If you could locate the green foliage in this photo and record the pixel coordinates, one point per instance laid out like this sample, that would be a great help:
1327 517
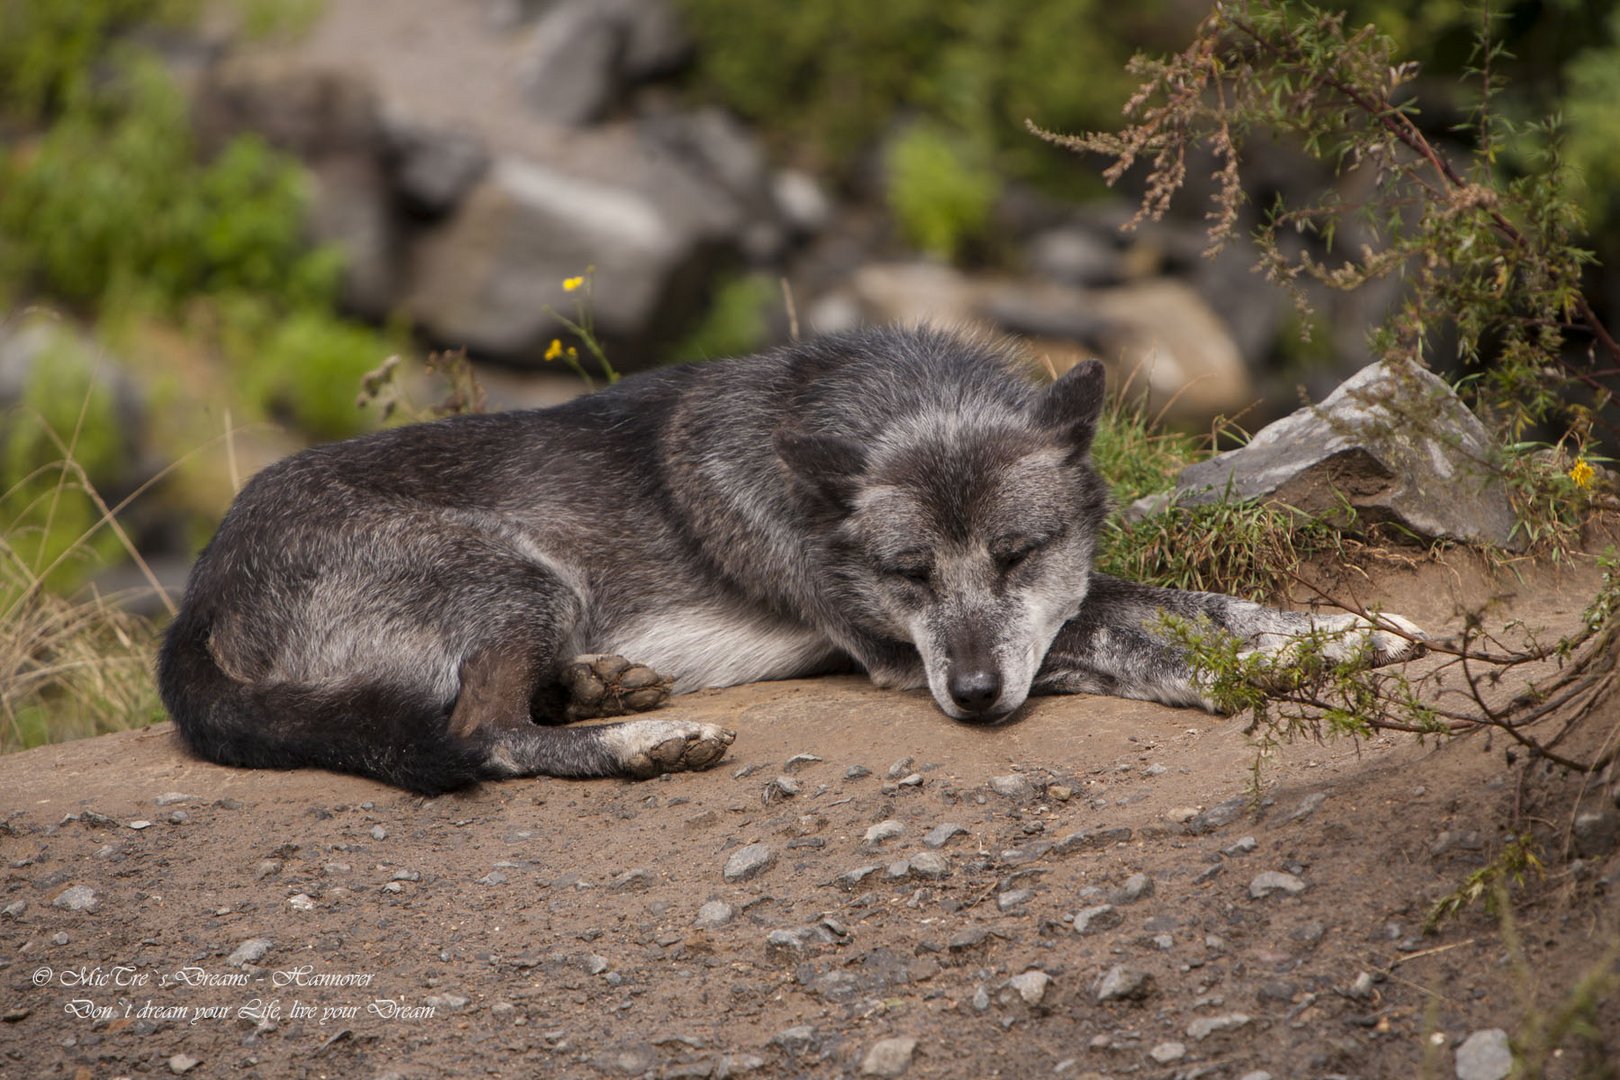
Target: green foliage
303 367
736 323
1136 459
112 207
66 410
49 48
1251 549
834 71
1593 122
1518 859
939 189
1487 261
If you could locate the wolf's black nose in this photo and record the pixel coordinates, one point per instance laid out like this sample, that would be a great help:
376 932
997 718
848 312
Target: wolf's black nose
975 690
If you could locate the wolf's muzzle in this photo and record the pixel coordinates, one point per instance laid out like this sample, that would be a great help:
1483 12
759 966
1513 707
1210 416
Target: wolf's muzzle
975 691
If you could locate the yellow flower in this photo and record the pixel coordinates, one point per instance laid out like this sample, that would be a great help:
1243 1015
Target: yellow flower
553 350
1582 474
573 353
570 284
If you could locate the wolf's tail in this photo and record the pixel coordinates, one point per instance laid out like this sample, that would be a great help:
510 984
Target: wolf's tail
388 734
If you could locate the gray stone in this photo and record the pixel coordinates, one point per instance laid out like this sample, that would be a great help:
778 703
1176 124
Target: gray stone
1270 881
1393 441
183 1063
632 880
433 168
889 1057
884 830
851 878
1031 986
14 910
1204 1027
941 834
931 865
1242 846
713 915
1093 919
379 833
1166 1052
795 1040
857 772
250 951
799 762
1308 806
1485 1055
1013 898
77 898
1597 832
749 862
1073 255
169 798
582 55
1012 785
1136 886
1218 816
782 787
1121 983
486 275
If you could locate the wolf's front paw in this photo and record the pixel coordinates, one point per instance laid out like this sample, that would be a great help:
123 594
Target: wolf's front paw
600 684
647 748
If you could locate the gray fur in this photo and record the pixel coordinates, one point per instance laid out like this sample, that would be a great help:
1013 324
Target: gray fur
902 502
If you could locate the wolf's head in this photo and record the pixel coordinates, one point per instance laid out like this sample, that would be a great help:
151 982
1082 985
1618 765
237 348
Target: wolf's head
967 528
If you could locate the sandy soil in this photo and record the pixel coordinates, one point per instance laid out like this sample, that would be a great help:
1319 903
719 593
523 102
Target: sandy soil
243 923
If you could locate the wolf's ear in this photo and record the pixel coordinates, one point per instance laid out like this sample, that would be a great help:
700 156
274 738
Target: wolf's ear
826 465
1073 404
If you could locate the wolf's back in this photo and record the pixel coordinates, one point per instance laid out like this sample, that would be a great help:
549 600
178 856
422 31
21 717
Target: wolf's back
385 733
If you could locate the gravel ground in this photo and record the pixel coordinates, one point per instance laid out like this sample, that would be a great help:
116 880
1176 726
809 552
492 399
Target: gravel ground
861 888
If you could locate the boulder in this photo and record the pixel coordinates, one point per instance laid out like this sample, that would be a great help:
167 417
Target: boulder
583 55
651 225
432 167
1394 442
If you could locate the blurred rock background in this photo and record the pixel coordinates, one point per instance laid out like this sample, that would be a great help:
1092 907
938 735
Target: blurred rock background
215 217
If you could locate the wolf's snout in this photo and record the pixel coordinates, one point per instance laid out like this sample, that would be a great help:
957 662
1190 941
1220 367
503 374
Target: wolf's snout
975 690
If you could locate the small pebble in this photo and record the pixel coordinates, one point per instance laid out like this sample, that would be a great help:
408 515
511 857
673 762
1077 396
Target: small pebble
379 833
1206 1026
1241 847
1031 986
1013 898
1011 785
250 951
1270 881
1485 1055
1166 1052
1124 984
931 865
140 824
1092 919
889 1057
899 768
1181 814
1136 886
884 830
183 1063
857 772
77 898
748 862
799 761
942 833
301 902
713 915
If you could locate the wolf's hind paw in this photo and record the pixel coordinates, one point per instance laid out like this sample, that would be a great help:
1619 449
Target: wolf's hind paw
600 684
647 748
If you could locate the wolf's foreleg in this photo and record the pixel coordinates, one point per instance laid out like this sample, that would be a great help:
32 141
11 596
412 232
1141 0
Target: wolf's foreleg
1112 646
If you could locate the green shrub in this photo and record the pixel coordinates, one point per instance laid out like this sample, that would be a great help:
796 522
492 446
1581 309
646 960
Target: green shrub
834 72
736 323
49 48
306 368
112 206
939 189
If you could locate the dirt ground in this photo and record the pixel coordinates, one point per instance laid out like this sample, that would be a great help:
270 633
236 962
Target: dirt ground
161 916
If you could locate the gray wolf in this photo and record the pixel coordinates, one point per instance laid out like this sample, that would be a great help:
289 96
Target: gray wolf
428 605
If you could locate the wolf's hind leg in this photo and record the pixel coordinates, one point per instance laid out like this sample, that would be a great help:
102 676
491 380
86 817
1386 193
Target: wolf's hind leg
497 687
600 684
636 748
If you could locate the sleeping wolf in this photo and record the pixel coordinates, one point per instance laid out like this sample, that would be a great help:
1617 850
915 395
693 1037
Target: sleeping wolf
426 605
